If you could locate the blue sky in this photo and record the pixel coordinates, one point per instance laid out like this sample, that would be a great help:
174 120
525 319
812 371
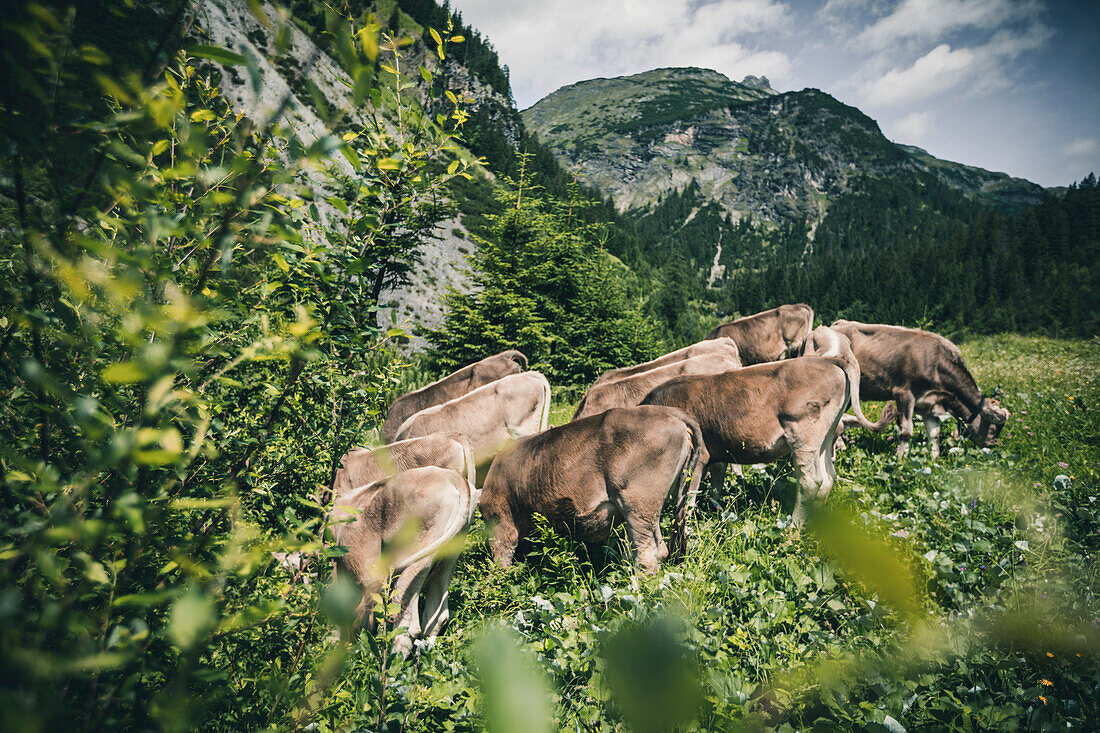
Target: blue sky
1008 85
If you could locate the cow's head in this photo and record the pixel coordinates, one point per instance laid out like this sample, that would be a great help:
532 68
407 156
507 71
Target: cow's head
987 422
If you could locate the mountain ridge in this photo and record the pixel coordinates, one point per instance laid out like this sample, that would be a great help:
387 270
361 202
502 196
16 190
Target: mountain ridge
641 137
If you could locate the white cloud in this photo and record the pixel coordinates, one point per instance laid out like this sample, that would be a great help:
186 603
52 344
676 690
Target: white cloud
931 20
940 69
1082 147
548 45
912 128
943 69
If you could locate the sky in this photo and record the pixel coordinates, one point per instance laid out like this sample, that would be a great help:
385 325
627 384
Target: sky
1007 85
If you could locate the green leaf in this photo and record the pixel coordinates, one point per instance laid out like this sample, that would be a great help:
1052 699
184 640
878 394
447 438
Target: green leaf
126 372
352 157
435 37
218 54
368 41
95 572
94 56
388 164
202 115
191 616
515 694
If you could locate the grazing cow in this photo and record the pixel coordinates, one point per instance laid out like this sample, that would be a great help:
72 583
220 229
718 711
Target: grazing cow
771 335
630 391
760 413
924 374
361 466
395 529
582 476
489 417
456 384
722 346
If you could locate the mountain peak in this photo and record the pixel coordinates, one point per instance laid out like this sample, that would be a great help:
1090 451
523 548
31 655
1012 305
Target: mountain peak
758 82
748 149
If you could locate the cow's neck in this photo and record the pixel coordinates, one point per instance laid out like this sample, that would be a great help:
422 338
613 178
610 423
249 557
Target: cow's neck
965 391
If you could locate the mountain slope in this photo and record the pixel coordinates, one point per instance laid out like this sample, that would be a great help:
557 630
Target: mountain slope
775 157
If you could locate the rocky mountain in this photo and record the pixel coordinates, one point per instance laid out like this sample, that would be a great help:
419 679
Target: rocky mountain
304 70
750 150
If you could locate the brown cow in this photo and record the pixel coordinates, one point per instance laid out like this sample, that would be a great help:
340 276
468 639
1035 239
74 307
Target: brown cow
924 374
616 466
361 466
760 413
396 529
722 346
456 384
630 391
489 417
771 335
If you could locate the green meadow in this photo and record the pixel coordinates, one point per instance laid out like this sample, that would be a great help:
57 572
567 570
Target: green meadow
950 595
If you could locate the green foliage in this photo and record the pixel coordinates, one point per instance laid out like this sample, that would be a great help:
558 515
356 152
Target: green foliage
183 363
545 289
976 268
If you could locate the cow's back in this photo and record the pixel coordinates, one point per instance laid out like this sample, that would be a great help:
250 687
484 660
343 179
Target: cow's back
716 345
630 391
489 415
362 466
460 382
747 407
895 357
553 471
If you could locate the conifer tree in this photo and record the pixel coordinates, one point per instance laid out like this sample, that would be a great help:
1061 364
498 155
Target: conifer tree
548 290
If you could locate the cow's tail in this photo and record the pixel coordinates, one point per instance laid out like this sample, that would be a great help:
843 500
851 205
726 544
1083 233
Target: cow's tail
804 332
889 414
851 369
544 419
684 495
468 455
458 520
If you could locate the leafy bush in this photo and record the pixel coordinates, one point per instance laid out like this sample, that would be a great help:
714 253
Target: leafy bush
185 358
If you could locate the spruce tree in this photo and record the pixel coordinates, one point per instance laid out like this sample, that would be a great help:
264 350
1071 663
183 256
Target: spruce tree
548 290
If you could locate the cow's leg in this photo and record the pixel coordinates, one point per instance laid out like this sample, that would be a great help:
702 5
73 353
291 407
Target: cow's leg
717 479
406 593
932 428
639 503
503 539
809 474
643 529
436 611
906 404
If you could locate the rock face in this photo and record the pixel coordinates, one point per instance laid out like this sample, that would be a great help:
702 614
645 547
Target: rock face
232 24
753 151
